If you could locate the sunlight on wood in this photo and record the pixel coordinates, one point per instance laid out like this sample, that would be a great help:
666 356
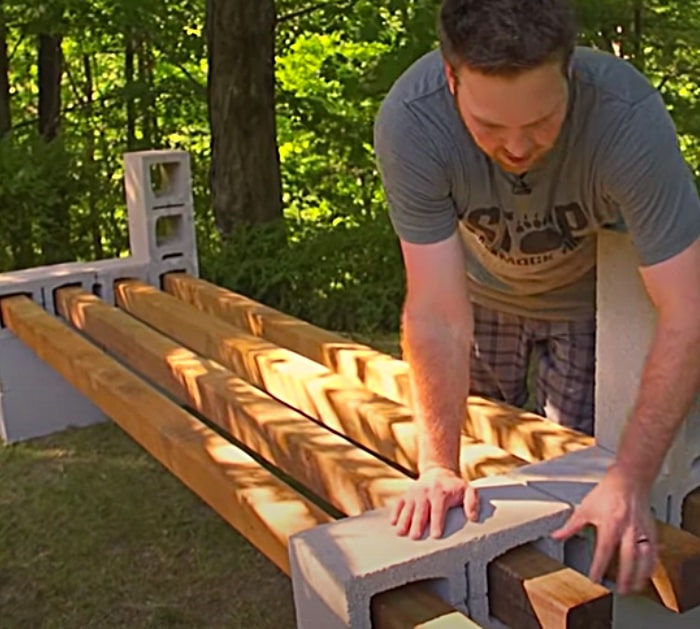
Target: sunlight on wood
205 462
523 435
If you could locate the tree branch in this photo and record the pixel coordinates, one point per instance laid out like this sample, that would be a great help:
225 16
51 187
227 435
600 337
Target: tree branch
300 12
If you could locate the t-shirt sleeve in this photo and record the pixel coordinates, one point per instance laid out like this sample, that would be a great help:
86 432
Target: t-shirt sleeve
415 180
647 178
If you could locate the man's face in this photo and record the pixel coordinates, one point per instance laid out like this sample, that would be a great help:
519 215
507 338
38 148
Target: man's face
514 120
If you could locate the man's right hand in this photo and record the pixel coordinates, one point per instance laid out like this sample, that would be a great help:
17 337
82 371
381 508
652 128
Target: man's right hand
427 501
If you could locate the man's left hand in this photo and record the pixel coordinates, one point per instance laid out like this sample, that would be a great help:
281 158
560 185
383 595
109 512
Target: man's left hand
620 510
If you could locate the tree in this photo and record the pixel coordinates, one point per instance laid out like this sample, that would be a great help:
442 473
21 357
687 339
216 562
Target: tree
245 164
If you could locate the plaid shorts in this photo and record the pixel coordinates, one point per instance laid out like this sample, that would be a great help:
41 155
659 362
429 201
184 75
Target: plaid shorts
544 366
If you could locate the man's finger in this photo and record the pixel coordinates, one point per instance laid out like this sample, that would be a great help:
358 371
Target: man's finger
646 563
573 525
607 540
421 514
628 562
396 511
471 504
437 514
404 521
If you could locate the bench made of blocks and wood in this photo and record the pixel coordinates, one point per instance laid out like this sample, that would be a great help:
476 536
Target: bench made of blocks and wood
300 439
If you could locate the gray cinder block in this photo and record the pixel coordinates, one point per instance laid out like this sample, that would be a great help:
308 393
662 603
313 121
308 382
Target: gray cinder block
35 400
626 321
338 568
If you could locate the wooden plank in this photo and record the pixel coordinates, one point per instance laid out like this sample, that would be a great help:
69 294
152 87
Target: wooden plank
248 497
691 512
675 583
199 382
407 606
545 600
347 477
251 499
344 404
524 435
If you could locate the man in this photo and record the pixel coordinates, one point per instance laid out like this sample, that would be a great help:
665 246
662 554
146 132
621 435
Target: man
502 154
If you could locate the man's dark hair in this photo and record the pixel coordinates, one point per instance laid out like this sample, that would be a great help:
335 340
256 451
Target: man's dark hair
506 37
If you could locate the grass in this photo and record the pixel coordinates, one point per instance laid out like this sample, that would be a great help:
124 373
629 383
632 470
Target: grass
95 533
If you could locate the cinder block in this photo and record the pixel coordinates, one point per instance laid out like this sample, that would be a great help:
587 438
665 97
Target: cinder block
107 272
172 264
36 401
626 325
338 568
144 204
158 179
40 283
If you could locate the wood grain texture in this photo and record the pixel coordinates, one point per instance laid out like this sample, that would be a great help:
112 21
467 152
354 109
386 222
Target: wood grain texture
341 403
549 596
336 470
250 498
347 477
524 435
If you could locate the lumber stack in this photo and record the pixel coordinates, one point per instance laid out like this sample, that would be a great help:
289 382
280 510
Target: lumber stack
281 426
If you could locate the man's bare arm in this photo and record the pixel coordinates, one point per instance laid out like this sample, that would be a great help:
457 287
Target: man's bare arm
671 376
437 335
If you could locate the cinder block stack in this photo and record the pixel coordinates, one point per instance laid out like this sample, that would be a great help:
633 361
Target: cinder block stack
34 400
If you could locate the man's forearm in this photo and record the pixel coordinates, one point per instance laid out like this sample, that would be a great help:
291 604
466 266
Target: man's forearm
669 384
437 349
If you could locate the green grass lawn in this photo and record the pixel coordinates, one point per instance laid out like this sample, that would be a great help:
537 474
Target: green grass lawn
95 533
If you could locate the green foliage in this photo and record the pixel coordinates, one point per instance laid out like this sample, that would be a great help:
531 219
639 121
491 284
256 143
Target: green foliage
336 275
335 260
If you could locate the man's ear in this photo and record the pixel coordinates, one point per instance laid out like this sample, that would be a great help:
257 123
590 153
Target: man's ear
451 77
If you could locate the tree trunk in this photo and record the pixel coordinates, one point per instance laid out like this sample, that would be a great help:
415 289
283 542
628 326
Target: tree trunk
130 97
50 73
245 168
5 112
93 209
54 219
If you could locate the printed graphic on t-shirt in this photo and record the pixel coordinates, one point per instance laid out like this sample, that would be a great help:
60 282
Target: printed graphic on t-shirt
531 238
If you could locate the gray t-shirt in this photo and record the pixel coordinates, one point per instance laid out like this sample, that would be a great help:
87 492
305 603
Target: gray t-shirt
530 247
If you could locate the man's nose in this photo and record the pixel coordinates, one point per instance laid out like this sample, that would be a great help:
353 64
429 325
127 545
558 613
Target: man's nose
519 145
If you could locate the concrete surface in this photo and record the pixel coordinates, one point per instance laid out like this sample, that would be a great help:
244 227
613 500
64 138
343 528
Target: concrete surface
35 400
337 568
626 321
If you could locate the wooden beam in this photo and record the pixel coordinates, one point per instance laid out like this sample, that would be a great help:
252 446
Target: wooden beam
349 478
343 404
340 473
408 606
544 599
691 512
248 497
675 583
524 435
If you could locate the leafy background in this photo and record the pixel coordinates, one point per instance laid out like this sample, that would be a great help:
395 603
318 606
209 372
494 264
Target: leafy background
135 75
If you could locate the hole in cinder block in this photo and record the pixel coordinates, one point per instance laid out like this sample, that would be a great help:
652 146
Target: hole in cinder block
163 176
439 587
3 325
578 553
168 229
55 290
97 289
